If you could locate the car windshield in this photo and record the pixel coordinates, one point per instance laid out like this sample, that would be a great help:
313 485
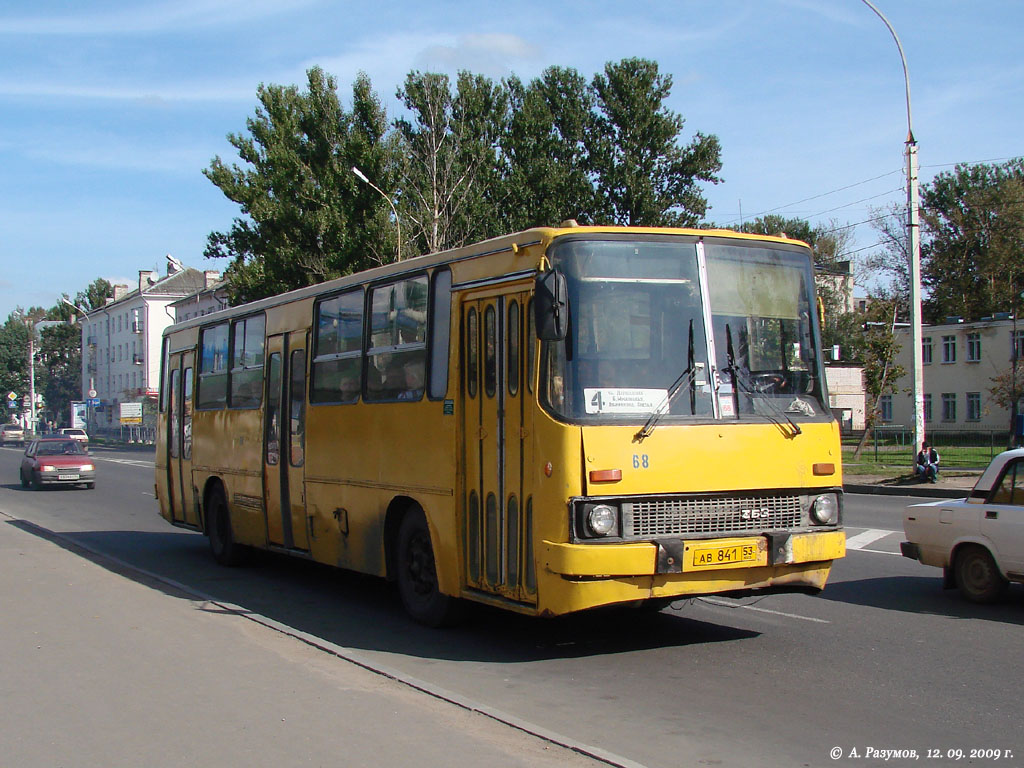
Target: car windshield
55 448
709 329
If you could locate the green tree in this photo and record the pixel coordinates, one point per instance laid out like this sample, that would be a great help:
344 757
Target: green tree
93 297
877 349
449 144
299 198
546 178
644 176
13 361
971 261
59 377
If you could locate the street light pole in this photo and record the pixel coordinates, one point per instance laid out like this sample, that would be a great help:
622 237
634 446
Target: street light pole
914 246
398 222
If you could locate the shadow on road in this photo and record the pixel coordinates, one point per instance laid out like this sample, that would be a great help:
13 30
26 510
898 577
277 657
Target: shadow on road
362 612
924 595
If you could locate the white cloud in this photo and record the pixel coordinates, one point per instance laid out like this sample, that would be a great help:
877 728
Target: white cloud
154 18
238 90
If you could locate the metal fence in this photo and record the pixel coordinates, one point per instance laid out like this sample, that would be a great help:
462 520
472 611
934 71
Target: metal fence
957 447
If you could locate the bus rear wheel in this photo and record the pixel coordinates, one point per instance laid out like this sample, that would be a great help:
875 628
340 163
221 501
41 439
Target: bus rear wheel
417 575
225 549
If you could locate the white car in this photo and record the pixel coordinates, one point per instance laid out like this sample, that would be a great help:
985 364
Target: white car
75 434
977 541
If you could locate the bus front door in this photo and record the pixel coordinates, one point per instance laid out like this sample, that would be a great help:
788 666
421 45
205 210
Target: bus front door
284 441
179 449
495 447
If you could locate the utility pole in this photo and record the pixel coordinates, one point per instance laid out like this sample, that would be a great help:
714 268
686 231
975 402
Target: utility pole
913 245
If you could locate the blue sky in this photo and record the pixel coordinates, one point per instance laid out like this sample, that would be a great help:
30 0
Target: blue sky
110 109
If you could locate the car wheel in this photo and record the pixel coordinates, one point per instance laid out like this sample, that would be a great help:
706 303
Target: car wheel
977 576
37 481
417 575
24 480
90 486
225 549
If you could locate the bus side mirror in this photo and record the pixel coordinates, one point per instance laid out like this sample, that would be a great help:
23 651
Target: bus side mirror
551 306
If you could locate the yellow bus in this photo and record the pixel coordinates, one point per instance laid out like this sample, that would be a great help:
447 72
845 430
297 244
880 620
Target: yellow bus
549 421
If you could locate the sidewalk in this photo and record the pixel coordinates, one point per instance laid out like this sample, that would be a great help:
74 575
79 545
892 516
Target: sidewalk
103 665
951 484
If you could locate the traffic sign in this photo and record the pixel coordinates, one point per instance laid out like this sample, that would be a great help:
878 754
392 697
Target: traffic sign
11 396
92 394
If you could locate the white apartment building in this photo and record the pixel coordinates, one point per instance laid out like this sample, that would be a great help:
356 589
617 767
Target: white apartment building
121 340
960 361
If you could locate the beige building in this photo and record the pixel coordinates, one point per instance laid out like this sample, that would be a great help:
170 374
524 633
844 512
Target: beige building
846 395
960 361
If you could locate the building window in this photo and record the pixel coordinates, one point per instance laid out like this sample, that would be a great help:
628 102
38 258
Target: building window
974 406
973 347
949 406
885 406
1016 345
949 349
927 407
926 350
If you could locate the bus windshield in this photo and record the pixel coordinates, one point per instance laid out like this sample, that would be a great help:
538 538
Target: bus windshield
690 330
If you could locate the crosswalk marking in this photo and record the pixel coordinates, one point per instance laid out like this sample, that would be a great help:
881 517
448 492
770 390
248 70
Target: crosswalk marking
865 538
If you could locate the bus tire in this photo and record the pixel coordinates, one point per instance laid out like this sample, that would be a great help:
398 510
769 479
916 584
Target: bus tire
977 576
223 546
417 575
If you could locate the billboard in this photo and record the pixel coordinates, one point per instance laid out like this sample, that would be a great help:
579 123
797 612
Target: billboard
78 414
131 413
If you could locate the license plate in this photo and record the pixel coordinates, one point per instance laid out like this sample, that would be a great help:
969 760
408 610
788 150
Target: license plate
726 556
67 477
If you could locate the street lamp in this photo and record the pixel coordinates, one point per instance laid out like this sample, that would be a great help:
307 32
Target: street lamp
398 222
914 245
74 307
31 422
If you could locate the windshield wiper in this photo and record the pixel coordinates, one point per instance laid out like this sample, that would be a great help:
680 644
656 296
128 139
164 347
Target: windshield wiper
741 381
687 378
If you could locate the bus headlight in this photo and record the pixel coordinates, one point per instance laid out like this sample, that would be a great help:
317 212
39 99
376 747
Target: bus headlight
825 509
602 520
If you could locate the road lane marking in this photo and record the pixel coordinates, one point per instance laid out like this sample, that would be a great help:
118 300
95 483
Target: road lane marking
724 604
863 539
880 552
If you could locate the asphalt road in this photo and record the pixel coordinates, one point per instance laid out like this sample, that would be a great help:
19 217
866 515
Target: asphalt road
883 659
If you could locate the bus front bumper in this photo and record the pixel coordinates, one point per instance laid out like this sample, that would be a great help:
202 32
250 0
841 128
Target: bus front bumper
603 574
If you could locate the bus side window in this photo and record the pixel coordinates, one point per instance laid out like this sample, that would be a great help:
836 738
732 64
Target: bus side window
472 352
440 323
531 346
213 367
297 407
513 348
490 351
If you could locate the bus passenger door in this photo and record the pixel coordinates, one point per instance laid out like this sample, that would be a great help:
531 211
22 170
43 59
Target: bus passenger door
284 441
493 393
179 450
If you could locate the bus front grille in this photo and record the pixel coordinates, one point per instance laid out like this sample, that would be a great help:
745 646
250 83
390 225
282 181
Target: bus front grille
710 516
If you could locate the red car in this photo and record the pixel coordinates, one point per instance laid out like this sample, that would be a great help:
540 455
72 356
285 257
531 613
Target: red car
57 461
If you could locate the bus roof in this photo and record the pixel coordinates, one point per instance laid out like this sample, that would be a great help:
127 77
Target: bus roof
529 238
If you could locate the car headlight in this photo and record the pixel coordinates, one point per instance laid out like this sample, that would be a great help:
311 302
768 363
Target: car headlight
602 520
825 509
47 468
87 468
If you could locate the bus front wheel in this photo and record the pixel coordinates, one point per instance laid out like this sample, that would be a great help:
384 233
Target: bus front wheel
417 575
225 549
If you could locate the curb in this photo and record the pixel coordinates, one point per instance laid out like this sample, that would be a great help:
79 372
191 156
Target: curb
896 490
